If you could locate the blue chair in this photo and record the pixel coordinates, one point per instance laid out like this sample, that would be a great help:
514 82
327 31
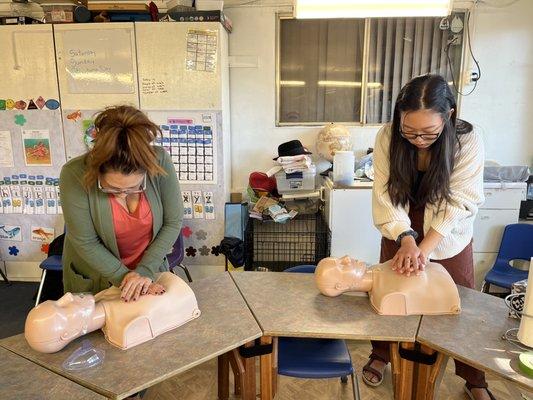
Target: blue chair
517 244
315 358
176 256
52 263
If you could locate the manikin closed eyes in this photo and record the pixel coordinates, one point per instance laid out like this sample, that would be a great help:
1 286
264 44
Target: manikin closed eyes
430 293
53 324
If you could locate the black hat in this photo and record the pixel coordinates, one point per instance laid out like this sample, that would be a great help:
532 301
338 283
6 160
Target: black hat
291 148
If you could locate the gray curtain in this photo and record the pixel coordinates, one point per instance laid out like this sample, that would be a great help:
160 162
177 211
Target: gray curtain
400 49
320 53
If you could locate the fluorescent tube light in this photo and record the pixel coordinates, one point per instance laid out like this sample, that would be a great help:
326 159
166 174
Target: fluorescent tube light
371 8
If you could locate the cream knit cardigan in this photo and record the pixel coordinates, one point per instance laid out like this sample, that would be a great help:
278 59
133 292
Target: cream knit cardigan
454 220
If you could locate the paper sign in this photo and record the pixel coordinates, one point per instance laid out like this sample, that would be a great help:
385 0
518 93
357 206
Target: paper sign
36 147
42 234
6 149
11 232
16 195
50 197
209 205
187 205
7 205
201 50
198 206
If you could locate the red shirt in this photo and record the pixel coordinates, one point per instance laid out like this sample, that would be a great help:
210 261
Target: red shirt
132 231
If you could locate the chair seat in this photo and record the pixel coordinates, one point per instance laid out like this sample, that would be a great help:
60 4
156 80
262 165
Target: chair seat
504 277
313 358
52 263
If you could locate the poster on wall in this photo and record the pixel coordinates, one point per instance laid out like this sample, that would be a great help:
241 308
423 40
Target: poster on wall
42 234
190 138
11 233
6 150
201 50
36 144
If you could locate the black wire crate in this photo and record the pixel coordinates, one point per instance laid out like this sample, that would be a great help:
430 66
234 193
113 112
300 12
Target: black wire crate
306 239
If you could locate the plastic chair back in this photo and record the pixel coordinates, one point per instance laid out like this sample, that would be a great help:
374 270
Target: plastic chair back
305 269
178 253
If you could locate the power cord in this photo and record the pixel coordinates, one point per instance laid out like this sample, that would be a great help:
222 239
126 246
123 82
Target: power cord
477 76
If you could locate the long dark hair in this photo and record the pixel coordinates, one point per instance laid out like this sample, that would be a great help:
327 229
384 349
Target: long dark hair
426 92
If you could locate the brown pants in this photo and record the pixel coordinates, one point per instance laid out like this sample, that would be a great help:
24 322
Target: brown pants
461 269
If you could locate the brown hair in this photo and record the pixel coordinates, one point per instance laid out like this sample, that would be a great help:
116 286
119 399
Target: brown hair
123 143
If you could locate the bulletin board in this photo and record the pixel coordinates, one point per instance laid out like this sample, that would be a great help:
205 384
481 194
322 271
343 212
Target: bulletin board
96 65
31 143
167 80
47 113
203 203
78 127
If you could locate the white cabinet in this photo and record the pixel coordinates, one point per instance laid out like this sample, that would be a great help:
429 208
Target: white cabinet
348 213
489 226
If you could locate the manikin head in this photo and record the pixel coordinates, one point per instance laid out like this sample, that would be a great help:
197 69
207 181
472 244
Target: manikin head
53 324
334 276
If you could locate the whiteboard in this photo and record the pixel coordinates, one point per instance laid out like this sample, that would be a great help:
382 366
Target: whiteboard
28 67
96 65
166 83
100 62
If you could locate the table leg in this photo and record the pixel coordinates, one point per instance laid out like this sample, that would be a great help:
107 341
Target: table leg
414 380
238 370
428 377
402 372
223 377
274 366
248 389
265 363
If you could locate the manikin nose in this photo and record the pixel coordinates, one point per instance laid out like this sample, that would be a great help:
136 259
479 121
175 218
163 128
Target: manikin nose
65 300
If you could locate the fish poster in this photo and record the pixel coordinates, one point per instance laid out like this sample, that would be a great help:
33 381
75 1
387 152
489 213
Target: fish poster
37 147
42 234
11 232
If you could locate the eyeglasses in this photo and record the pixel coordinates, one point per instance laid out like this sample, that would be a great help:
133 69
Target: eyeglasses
141 189
424 136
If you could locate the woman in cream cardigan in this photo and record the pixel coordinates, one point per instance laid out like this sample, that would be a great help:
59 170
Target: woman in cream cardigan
428 187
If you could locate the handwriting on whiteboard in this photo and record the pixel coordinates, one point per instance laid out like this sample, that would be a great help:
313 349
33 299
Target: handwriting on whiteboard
152 86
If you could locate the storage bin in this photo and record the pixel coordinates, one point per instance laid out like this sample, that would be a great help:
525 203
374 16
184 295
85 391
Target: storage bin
206 5
275 247
296 182
58 13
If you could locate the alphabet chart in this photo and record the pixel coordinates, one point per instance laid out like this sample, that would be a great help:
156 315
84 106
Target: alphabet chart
191 142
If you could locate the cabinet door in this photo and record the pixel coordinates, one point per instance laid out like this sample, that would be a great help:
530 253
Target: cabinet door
483 262
488 228
505 199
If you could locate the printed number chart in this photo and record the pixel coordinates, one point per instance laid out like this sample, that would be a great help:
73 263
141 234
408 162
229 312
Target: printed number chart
191 142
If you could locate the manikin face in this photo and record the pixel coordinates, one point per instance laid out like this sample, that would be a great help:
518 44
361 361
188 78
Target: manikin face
53 323
336 275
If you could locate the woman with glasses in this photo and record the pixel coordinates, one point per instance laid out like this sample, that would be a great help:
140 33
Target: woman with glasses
428 186
122 207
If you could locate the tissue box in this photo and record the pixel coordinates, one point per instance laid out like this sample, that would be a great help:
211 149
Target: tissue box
518 303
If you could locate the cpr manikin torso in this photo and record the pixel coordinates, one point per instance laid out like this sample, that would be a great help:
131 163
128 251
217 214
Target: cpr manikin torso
432 292
53 324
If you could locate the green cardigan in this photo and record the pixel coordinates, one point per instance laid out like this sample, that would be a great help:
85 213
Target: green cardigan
91 260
